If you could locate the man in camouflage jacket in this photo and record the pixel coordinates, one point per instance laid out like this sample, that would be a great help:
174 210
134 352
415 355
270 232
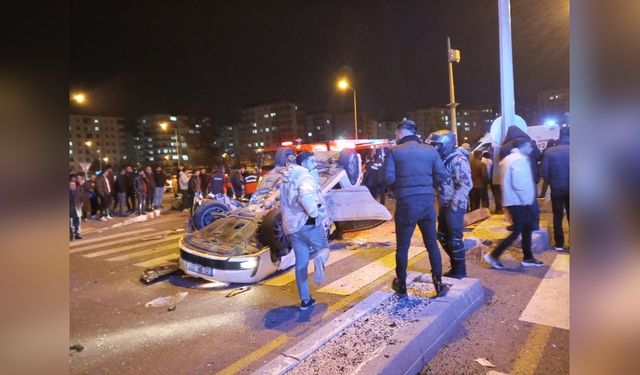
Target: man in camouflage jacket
453 197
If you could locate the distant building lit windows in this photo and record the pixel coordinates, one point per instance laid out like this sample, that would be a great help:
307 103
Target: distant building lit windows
309 134
173 118
266 115
95 121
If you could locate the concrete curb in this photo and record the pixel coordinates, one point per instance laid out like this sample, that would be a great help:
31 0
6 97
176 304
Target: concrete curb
426 336
419 342
131 220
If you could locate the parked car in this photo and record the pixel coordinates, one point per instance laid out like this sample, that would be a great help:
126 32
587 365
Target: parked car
248 244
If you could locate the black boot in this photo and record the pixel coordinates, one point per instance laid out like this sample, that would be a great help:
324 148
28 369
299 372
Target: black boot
400 287
441 289
458 263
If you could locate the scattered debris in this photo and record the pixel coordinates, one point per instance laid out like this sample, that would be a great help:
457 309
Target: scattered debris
238 291
168 300
152 274
484 362
171 308
76 348
487 242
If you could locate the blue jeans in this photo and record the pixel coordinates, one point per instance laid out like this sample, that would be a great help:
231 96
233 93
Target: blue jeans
157 198
411 211
122 203
310 237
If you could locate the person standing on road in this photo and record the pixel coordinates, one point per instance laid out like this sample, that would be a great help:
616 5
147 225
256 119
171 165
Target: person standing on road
216 181
518 194
488 163
555 171
373 176
545 184
453 197
103 187
121 188
151 188
193 190
183 185
140 185
160 180
131 190
75 210
303 213
237 180
412 169
480 178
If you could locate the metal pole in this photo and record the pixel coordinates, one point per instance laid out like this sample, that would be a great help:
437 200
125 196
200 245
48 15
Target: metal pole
355 113
452 95
178 147
99 160
507 99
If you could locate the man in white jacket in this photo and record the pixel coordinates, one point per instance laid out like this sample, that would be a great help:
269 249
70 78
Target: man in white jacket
518 196
303 212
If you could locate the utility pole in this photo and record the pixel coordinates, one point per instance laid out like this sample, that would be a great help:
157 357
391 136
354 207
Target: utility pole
453 55
355 112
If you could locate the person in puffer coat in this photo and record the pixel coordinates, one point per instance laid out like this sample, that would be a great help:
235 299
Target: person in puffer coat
303 212
453 197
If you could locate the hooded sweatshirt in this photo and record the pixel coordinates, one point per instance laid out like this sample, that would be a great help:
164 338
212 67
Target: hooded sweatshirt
300 199
517 185
454 191
511 141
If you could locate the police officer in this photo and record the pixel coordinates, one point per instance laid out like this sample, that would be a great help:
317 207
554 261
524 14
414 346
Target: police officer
453 196
410 169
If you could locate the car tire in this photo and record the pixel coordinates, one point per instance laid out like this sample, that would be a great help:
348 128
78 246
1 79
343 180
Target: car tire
208 212
271 234
348 160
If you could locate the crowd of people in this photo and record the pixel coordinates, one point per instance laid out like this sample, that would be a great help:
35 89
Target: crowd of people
129 192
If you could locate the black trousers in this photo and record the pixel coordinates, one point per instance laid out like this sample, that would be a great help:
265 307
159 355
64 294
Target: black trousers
411 211
497 196
559 202
523 220
476 195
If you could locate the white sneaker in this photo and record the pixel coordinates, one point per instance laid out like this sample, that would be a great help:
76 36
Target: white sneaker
559 249
103 219
109 217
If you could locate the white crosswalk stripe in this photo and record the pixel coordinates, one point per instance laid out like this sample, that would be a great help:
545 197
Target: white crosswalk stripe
359 278
136 245
78 243
158 261
137 254
120 241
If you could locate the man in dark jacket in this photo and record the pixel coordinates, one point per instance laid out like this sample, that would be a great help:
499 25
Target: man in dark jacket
131 191
217 181
194 188
140 186
514 137
480 179
410 169
121 189
75 208
237 180
104 189
160 180
555 171
373 177
151 188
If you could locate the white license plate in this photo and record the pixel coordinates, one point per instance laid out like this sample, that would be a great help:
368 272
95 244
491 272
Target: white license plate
208 271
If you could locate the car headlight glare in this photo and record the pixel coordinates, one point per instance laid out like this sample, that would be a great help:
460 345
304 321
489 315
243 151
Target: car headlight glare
248 263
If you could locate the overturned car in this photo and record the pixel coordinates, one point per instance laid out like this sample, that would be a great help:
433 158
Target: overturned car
248 244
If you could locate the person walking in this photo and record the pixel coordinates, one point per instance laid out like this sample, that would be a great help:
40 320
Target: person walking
411 170
160 180
104 189
480 178
151 188
518 194
303 212
75 210
555 171
453 197
121 188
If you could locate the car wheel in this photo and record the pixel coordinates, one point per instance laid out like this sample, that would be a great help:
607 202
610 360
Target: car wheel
272 234
207 213
348 160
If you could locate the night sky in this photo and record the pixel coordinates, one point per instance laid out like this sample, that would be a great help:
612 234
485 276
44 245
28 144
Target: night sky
211 58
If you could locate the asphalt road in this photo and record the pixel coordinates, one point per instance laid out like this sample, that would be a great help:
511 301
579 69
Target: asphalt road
211 333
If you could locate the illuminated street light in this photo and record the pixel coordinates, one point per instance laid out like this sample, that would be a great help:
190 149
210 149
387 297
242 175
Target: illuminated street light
79 98
88 143
165 126
343 84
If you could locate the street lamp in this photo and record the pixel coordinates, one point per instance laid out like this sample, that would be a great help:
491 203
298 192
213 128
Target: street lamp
79 98
343 84
453 55
165 126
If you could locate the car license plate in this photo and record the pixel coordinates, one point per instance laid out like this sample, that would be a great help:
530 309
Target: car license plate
208 271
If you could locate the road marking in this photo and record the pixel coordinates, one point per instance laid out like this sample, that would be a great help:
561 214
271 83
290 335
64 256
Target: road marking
290 275
532 351
550 303
129 247
157 261
77 243
116 242
359 278
144 252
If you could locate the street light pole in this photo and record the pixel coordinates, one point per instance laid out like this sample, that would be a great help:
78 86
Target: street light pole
355 111
453 56
177 147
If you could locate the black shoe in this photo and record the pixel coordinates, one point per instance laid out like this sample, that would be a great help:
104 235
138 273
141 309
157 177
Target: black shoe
533 262
77 236
458 269
440 288
400 287
306 304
